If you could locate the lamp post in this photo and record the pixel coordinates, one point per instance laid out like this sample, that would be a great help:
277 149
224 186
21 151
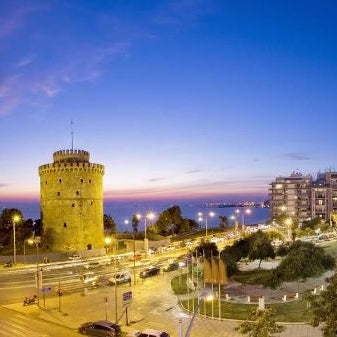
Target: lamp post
243 213
204 296
149 216
126 222
200 218
107 241
288 222
15 219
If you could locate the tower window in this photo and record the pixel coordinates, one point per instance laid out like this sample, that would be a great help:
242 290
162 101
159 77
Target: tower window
77 192
65 225
72 205
60 180
81 180
58 193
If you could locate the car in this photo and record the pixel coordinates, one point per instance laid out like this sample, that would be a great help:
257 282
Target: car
123 276
149 333
89 279
171 266
74 256
100 328
148 272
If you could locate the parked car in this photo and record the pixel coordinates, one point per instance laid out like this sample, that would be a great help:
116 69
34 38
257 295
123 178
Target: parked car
148 272
171 266
100 328
149 333
123 276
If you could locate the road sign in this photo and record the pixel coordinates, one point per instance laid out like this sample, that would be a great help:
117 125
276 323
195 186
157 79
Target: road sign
127 297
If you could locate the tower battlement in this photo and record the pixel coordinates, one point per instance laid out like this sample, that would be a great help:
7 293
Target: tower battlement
71 156
58 167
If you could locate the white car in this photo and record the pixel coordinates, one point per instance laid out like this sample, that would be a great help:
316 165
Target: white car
149 333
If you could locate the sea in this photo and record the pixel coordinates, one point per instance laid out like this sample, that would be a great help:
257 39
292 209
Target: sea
122 211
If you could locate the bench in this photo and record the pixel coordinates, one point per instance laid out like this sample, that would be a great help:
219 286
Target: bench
253 298
289 296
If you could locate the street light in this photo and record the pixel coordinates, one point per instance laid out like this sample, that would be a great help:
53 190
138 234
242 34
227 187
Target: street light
288 222
245 212
107 241
15 219
126 222
205 295
149 216
200 217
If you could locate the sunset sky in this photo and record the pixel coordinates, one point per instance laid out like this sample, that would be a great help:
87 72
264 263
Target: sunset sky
185 98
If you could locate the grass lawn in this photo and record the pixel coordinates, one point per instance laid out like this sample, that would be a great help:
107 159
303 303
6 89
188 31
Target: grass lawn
330 247
256 276
285 312
294 311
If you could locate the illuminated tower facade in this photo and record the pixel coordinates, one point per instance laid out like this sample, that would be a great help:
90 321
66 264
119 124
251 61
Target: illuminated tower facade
71 193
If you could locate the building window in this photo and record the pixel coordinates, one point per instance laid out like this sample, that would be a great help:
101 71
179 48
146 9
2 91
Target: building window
46 182
92 203
65 225
77 192
81 180
90 181
58 193
60 180
72 205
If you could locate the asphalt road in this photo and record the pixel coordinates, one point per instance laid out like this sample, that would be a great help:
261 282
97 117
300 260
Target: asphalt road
15 324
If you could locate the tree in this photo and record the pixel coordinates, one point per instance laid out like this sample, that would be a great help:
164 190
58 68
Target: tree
223 224
109 224
207 249
304 260
260 247
324 308
170 221
260 323
233 254
135 223
6 226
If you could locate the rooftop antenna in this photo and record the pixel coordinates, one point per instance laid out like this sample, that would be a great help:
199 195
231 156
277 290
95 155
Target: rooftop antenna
72 136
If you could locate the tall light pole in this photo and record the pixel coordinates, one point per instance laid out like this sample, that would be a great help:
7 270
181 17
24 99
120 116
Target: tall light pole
288 222
15 219
126 222
107 241
204 296
243 213
149 216
200 218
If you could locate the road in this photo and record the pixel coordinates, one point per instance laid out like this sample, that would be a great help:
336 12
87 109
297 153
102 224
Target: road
20 325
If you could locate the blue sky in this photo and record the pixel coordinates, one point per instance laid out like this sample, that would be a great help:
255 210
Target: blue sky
176 98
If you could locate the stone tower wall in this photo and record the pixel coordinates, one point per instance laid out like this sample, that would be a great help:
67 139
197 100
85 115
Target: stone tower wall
72 201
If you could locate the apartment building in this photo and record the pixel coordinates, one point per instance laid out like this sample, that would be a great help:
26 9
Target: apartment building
292 195
303 198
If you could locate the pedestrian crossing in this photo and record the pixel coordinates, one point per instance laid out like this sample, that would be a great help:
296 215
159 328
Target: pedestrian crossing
19 326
